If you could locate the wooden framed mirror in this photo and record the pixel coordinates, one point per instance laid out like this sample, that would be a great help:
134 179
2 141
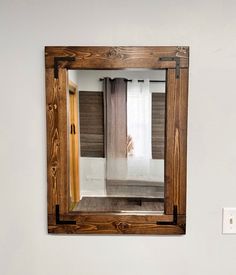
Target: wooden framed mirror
117 139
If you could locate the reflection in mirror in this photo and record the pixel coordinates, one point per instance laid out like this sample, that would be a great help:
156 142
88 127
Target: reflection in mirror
116 129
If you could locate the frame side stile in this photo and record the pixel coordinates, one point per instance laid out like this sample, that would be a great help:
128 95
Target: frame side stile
63 184
52 140
169 169
177 142
183 113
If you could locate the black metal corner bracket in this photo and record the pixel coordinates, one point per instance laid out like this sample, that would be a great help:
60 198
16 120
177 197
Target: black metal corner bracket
58 221
177 62
175 218
58 59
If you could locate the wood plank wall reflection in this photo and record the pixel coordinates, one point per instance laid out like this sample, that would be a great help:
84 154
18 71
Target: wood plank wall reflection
158 125
91 113
91 119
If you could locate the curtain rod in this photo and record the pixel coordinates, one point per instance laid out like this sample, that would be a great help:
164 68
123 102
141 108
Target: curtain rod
141 80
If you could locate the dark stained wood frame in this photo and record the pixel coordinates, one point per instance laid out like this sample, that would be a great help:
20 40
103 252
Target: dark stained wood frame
176 62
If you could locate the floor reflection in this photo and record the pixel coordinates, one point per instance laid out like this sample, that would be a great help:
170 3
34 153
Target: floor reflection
116 204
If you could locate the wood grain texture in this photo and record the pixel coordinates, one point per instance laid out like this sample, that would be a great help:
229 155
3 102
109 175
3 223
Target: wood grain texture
52 102
57 168
57 139
119 224
63 183
182 164
176 141
117 57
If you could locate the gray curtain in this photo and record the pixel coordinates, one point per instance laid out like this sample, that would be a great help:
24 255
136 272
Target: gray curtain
115 128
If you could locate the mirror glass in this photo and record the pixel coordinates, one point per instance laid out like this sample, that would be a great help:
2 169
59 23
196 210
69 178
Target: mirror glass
116 133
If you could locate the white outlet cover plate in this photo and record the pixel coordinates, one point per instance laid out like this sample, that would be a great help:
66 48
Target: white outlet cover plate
229 220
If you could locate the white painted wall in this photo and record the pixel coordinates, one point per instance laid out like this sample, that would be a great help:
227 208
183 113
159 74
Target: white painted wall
92 177
208 27
88 80
73 76
93 173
